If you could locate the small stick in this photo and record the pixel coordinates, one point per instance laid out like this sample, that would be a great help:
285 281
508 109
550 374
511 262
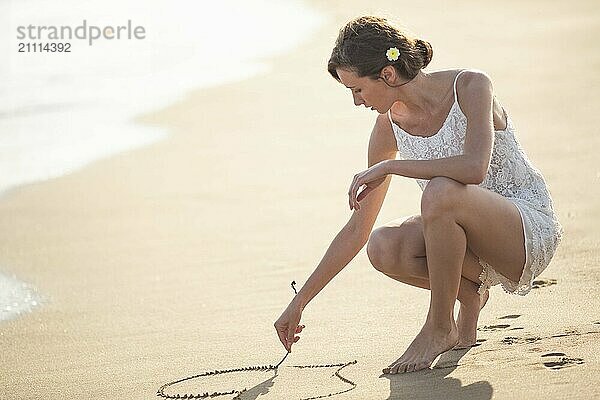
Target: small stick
286 354
282 360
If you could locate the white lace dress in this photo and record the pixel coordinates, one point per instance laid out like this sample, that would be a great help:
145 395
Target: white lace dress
511 175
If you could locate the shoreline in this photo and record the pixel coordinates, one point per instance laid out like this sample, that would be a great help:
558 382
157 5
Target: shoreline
122 133
176 258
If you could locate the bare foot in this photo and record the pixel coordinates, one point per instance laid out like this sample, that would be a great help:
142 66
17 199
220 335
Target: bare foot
424 349
467 321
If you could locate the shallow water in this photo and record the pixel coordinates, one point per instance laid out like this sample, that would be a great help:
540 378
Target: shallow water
16 297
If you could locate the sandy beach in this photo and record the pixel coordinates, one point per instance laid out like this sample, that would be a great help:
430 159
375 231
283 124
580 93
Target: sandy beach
175 259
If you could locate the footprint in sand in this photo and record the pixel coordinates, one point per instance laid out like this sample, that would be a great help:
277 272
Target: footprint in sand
567 333
488 328
557 360
540 283
516 340
510 340
533 339
511 316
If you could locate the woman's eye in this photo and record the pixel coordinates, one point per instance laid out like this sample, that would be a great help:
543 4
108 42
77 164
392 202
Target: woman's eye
357 91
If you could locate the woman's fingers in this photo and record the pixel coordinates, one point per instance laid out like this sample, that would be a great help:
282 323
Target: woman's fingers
291 342
282 338
368 189
287 326
350 192
293 339
357 187
364 193
282 334
353 191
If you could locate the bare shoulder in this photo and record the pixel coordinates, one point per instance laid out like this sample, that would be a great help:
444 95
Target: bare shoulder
473 89
476 94
467 79
466 74
474 80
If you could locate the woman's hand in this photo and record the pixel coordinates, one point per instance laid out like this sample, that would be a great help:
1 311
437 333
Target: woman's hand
372 177
287 325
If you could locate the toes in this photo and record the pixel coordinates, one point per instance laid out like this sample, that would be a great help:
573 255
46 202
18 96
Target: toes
404 368
422 365
398 368
393 367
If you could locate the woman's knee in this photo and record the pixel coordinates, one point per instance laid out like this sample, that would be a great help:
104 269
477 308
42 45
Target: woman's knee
440 196
388 251
378 248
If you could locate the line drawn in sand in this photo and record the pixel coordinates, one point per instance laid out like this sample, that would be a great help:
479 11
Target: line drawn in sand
238 393
161 391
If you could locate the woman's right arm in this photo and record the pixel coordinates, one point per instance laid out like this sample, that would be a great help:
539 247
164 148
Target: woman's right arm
349 241
355 234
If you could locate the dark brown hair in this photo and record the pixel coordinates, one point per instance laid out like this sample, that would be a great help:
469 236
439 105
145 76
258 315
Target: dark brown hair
362 44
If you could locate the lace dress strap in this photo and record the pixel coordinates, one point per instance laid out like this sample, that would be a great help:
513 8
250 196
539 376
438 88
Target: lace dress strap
455 98
454 87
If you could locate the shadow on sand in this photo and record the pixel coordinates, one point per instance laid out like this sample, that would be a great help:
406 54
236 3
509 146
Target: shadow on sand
433 383
426 384
258 390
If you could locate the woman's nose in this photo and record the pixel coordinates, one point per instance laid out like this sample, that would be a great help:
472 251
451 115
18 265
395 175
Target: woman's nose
358 100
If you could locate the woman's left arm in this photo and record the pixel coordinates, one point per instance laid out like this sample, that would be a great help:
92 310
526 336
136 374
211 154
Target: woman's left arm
476 101
471 167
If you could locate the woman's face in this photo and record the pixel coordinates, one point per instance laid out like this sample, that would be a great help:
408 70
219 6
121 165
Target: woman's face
366 91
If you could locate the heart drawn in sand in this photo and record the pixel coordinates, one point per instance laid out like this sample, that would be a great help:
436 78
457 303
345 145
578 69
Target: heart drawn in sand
161 390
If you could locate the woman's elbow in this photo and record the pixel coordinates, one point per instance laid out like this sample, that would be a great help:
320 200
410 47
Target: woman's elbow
477 174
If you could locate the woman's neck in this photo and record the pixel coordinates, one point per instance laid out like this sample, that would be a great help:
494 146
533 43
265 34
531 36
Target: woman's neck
421 96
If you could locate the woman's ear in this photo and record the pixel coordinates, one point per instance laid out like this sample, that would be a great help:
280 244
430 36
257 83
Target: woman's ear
388 74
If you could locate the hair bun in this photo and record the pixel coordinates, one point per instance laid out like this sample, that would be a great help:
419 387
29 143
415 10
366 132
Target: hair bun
426 50
362 47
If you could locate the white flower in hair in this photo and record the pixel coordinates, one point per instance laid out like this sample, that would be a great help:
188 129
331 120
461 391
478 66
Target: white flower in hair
392 53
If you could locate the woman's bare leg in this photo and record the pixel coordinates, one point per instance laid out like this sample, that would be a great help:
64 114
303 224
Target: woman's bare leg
471 303
454 213
397 249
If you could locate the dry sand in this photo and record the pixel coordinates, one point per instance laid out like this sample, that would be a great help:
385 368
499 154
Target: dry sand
176 259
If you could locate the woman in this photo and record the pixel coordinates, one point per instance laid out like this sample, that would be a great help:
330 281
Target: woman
486 217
